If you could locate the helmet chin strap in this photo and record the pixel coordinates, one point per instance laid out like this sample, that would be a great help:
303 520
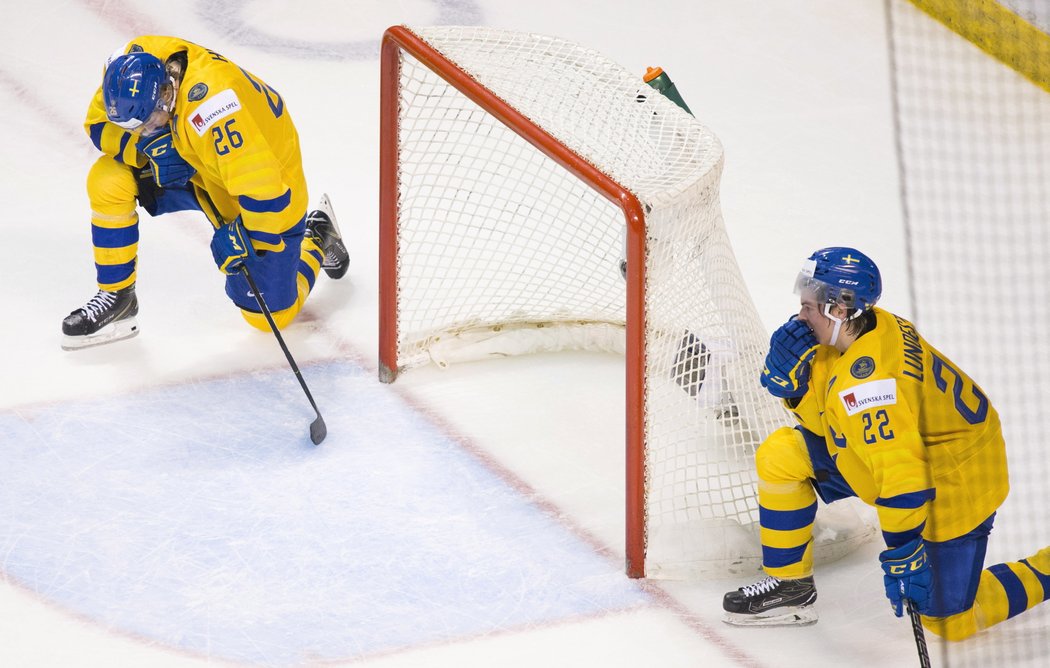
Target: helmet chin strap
838 321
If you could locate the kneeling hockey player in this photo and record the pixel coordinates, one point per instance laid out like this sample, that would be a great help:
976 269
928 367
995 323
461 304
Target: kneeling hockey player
183 128
886 417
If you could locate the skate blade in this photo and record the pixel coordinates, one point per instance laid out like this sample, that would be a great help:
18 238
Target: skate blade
333 272
115 331
796 616
326 205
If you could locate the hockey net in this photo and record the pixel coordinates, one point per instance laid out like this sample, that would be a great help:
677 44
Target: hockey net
520 174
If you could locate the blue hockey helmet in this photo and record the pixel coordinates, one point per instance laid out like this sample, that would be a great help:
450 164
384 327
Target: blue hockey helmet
840 275
131 88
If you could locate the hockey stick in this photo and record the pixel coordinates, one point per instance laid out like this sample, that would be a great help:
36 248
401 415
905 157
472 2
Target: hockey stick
920 636
318 429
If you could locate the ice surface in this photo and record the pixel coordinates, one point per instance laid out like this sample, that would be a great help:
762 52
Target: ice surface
160 503
200 516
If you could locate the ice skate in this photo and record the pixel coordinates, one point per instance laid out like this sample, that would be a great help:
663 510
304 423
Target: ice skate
321 224
107 317
772 602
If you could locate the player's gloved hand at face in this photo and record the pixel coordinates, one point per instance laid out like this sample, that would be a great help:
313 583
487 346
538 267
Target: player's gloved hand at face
231 247
907 576
791 348
169 169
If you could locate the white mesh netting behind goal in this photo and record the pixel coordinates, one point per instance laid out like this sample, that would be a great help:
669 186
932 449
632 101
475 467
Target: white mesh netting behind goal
503 235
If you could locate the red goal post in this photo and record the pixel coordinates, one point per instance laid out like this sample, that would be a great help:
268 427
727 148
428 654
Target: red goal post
399 39
517 171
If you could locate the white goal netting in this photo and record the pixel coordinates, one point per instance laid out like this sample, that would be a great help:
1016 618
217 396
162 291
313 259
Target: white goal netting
502 250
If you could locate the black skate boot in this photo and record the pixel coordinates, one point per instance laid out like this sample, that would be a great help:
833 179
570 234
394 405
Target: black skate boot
772 602
321 225
107 317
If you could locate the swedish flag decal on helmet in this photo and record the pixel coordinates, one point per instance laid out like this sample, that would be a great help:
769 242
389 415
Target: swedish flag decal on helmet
841 275
131 88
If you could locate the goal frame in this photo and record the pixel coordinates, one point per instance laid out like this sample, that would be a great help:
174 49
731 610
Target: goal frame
398 39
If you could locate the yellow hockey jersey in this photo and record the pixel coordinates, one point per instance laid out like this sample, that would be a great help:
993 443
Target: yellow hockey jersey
234 129
912 434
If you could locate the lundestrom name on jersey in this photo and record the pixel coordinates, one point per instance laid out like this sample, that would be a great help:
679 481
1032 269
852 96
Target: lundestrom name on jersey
867 395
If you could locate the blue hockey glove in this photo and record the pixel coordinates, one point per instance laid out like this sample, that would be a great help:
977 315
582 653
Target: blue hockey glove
169 169
231 247
908 576
786 372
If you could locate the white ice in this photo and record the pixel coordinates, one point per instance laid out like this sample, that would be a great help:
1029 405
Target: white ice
159 502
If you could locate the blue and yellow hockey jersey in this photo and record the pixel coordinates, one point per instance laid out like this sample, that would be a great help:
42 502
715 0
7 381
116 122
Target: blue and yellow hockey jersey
912 434
234 130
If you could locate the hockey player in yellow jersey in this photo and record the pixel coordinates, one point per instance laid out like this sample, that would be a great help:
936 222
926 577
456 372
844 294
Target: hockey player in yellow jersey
183 128
886 417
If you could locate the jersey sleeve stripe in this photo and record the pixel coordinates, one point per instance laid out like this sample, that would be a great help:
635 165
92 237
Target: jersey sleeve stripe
123 145
266 241
95 132
910 500
274 205
898 538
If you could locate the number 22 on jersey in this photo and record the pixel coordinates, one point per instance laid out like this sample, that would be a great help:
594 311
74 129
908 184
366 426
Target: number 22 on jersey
877 426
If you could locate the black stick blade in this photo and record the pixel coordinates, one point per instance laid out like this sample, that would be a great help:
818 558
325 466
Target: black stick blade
318 430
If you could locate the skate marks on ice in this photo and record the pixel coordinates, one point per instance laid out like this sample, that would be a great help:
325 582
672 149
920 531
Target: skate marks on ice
200 517
304 35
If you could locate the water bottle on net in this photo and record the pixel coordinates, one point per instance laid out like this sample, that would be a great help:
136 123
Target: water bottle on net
658 79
